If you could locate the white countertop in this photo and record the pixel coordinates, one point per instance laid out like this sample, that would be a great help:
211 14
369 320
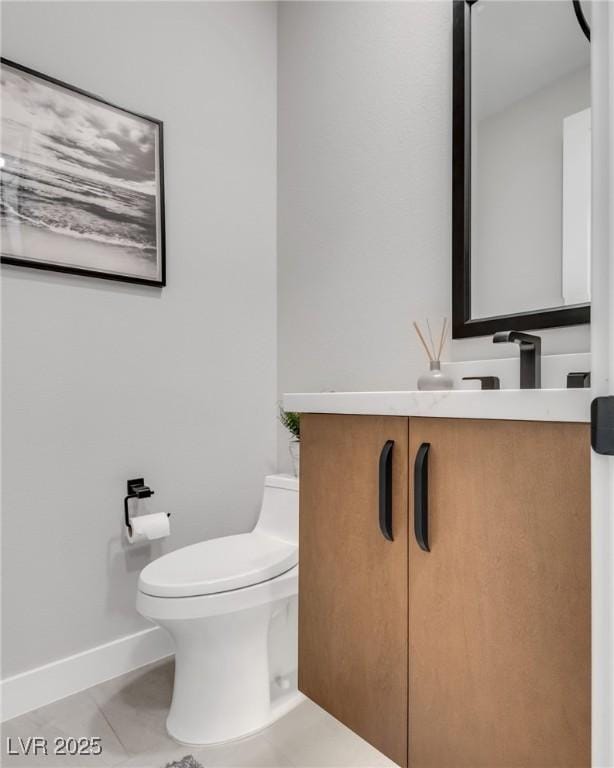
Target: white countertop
514 404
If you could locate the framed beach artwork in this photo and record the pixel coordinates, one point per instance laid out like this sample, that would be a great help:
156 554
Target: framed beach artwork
81 182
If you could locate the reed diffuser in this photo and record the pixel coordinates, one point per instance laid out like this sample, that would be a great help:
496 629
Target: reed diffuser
434 378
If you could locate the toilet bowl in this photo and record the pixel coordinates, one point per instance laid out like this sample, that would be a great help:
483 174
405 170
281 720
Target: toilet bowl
230 605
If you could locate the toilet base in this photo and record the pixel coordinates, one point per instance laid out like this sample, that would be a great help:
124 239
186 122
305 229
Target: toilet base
221 686
223 672
288 703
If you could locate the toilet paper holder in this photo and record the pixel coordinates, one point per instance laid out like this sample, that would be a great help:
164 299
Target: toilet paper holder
136 490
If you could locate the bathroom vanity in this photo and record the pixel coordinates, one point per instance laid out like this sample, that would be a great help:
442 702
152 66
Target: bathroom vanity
444 589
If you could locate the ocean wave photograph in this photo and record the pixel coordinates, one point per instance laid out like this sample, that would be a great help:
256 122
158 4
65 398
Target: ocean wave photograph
80 182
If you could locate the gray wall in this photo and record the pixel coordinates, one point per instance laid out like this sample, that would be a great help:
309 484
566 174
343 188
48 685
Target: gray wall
103 381
364 180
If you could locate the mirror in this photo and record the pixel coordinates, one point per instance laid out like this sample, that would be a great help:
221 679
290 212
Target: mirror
521 186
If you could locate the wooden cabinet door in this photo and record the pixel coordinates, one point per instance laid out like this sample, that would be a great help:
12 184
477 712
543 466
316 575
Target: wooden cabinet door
499 609
352 580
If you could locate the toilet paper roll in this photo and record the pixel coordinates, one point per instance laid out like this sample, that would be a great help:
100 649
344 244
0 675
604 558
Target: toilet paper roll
148 528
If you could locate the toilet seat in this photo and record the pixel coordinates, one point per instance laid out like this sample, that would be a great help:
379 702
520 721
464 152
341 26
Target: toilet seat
203 606
218 565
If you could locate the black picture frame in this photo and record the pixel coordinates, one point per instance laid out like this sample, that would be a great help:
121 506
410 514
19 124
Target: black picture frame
160 281
463 325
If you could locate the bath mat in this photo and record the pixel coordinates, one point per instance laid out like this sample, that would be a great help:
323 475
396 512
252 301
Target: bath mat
185 762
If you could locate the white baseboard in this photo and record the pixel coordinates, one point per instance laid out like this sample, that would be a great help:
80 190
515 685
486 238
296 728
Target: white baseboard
32 689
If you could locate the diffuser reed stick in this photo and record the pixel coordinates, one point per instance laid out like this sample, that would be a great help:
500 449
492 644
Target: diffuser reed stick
428 326
434 350
442 341
424 344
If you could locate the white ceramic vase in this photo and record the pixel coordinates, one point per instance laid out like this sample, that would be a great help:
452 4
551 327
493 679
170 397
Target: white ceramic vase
434 378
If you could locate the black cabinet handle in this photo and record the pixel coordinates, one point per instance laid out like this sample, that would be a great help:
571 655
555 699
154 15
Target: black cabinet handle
385 490
421 497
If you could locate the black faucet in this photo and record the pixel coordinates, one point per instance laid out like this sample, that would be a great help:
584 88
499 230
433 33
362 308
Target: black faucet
530 356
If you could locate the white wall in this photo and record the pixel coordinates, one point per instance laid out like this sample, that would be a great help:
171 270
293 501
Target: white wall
103 381
364 189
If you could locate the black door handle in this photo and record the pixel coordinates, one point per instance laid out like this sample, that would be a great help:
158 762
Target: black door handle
385 490
421 497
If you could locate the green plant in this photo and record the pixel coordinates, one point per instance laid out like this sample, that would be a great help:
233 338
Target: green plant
291 421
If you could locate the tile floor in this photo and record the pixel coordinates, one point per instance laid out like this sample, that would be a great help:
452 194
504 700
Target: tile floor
128 713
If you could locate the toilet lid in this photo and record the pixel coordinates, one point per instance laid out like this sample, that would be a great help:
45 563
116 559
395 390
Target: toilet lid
218 565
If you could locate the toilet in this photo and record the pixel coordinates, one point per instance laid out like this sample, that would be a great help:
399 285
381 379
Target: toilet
230 605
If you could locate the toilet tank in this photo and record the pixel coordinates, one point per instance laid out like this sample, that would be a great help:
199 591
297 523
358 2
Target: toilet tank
279 511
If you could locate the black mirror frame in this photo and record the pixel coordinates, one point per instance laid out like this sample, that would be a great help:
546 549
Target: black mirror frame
463 325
